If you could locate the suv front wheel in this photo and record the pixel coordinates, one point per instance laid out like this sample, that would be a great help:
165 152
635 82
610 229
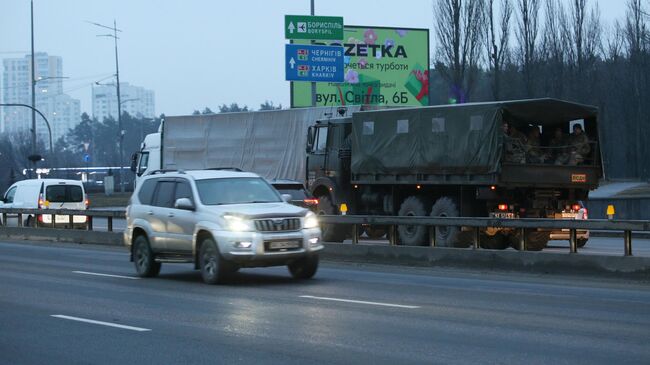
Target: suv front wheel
304 268
145 264
214 268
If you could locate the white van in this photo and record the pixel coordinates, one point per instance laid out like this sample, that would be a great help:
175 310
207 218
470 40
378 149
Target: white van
48 194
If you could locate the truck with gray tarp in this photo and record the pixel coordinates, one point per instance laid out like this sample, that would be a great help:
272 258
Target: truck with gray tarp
268 143
511 159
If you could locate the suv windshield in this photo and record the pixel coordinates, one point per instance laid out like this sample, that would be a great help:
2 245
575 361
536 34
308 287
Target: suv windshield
240 190
297 191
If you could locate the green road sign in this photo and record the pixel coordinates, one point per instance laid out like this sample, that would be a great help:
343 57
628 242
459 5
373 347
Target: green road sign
313 27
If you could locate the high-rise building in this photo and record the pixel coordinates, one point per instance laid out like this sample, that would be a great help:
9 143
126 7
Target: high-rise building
137 101
62 111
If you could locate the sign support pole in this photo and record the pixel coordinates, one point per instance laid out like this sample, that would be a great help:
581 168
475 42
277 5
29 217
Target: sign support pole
313 84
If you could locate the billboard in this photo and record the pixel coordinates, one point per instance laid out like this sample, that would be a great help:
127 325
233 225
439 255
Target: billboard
382 66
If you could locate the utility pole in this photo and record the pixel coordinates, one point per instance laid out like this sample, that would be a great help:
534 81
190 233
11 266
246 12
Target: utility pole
119 101
33 87
119 109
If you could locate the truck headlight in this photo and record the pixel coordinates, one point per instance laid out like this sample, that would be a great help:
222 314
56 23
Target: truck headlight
311 221
238 224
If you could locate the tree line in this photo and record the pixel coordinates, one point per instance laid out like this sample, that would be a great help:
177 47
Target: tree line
513 49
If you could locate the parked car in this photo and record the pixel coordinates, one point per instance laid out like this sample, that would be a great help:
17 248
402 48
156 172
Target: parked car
48 194
220 220
299 195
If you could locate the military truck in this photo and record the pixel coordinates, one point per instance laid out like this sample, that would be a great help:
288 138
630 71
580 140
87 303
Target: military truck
457 160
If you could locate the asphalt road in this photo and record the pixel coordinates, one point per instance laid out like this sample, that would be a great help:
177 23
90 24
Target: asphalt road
58 307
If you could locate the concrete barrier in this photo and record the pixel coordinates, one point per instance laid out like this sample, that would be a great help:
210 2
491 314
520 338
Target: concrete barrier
534 262
63 235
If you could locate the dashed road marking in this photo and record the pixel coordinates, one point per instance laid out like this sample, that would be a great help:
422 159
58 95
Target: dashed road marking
108 324
107 275
361 302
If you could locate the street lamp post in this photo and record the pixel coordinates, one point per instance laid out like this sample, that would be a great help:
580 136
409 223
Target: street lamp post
119 104
33 86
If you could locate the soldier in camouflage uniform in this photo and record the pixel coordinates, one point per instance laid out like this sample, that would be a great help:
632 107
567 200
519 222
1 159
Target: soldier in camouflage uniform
514 145
533 148
559 147
579 145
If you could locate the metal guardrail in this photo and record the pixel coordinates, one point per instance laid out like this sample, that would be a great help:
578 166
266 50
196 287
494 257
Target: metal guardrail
70 213
356 221
573 225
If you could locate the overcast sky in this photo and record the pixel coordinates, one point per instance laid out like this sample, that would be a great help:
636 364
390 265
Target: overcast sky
192 53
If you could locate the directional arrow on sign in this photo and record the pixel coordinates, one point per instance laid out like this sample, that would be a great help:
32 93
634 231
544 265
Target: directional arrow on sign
292 62
291 28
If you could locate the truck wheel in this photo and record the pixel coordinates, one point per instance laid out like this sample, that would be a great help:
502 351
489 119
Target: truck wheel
535 241
412 206
145 264
213 267
446 236
304 268
581 242
331 233
375 232
496 242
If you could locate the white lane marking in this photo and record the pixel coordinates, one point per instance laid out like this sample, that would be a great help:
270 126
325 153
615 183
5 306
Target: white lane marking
139 329
361 302
108 275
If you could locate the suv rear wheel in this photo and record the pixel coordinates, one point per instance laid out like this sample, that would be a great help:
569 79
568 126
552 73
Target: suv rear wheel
145 264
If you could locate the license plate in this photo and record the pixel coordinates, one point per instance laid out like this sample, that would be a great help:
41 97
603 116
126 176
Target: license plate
277 245
503 215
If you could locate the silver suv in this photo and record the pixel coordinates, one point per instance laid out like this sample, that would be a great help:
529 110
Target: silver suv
220 221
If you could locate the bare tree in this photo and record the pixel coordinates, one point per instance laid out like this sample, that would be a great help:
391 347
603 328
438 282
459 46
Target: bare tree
459 27
615 42
585 35
528 28
636 39
554 50
496 42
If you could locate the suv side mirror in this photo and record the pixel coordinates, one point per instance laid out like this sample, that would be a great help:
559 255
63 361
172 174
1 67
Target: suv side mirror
184 203
286 198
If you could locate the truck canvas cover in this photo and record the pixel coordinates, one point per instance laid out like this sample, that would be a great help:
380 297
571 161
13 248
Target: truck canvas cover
269 143
463 139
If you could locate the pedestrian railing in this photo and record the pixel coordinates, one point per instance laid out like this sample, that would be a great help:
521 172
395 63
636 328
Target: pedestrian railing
477 224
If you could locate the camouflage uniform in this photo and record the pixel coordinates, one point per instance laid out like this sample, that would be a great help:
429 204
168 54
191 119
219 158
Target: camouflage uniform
559 149
533 151
515 151
579 148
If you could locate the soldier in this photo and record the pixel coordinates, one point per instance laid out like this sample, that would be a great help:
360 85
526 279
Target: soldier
533 150
579 145
514 141
559 147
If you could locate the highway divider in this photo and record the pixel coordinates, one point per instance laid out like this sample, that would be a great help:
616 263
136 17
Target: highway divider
476 258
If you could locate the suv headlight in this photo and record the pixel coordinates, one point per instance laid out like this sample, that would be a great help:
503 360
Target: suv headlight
311 221
238 224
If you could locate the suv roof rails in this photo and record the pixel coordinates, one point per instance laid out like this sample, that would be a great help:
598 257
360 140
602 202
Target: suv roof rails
164 171
226 168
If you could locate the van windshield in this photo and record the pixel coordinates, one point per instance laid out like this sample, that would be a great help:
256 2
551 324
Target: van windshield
64 194
236 191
